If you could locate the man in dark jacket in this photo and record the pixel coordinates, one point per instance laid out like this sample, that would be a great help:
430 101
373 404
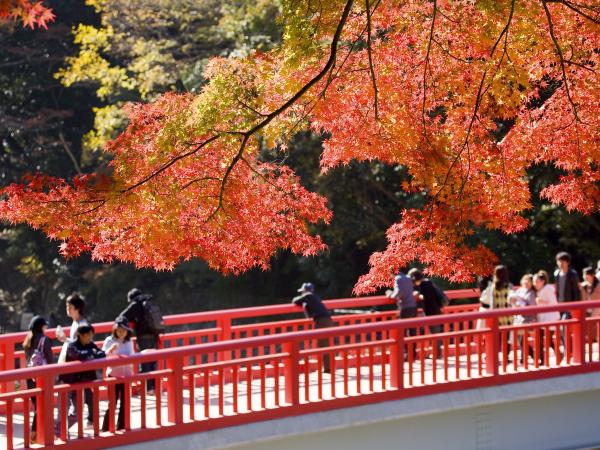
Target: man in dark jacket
315 309
146 338
567 282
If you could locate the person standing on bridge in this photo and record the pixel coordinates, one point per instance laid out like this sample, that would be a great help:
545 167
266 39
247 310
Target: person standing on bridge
148 324
38 352
432 300
546 296
315 309
567 282
118 344
501 287
405 299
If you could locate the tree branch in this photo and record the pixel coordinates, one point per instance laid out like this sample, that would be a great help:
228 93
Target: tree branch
370 54
65 144
269 118
561 60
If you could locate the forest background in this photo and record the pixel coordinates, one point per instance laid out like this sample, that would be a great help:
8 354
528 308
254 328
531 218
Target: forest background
61 91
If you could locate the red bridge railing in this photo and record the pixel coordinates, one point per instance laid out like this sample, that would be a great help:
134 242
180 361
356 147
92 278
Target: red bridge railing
226 324
278 375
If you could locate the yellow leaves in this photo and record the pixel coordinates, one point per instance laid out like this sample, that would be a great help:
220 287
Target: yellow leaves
91 37
108 122
89 65
31 266
505 93
149 66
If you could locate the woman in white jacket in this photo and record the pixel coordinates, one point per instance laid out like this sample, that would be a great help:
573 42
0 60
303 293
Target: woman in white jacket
546 296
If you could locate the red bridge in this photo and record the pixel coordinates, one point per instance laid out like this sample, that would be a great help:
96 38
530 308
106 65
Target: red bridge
224 368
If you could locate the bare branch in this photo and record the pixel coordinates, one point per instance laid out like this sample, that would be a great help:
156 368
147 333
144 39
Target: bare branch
170 163
426 69
303 90
577 9
67 148
371 67
561 60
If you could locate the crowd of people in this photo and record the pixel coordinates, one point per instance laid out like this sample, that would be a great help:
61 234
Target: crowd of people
79 345
411 289
497 292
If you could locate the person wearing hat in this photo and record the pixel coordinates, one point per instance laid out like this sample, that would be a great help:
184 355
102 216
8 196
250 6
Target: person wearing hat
315 309
147 339
118 344
38 351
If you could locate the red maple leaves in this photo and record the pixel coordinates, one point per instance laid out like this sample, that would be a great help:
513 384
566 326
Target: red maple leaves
465 95
30 13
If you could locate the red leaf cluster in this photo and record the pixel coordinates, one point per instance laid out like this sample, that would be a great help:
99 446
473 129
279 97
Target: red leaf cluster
30 13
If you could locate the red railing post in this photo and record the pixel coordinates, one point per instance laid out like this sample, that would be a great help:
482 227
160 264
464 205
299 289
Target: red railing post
492 344
290 372
45 410
579 332
225 334
175 389
9 364
397 358
2 364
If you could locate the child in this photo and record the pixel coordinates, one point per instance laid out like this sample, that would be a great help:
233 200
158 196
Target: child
119 343
83 349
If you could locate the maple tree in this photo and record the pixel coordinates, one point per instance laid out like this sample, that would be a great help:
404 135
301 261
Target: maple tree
30 13
465 95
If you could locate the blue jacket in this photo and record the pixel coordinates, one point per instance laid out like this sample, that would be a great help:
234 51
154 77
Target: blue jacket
312 304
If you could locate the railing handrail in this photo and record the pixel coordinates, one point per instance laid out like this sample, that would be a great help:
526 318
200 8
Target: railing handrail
297 336
250 312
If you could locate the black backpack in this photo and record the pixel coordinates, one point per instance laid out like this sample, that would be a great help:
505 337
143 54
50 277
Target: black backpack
153 318
443 299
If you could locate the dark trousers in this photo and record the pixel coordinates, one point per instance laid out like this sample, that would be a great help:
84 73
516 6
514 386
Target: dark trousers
31 385
543 346
145 343
409 313
437 329
119 398
87 399
324 322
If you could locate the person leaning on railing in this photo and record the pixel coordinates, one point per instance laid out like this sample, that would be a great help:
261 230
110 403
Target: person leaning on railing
315 309
431 299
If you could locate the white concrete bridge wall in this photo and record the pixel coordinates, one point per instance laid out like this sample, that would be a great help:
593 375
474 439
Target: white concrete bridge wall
557 413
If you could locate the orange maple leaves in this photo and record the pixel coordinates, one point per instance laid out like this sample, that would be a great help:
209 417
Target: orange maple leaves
466 95
30 13
156 213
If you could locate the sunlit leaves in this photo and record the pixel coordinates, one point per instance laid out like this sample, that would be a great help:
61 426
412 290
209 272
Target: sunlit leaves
469 96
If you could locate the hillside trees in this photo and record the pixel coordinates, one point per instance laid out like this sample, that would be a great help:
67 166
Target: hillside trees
465 96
